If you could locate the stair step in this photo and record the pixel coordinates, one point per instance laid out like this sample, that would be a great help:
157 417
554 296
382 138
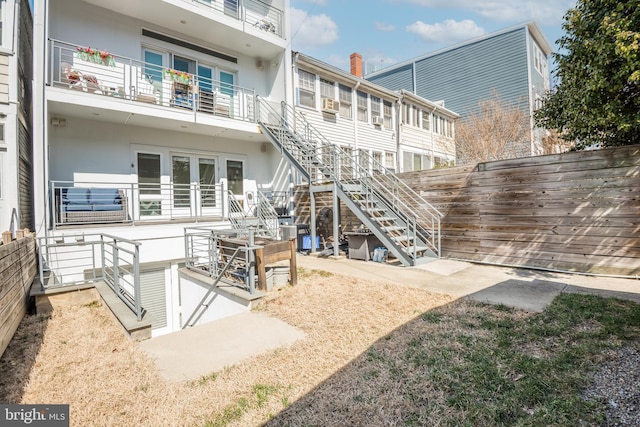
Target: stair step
375 210
403 238
415 249
383 218
392 228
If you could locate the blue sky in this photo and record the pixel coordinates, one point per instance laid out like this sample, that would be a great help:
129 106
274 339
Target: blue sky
390 31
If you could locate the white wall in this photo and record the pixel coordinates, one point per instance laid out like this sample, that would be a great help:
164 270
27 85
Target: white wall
221 304
101 151
83 24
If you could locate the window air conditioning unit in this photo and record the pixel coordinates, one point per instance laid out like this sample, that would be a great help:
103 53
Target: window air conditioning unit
378 121
330 105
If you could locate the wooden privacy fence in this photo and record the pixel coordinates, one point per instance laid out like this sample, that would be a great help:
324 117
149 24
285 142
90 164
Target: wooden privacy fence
577 211
17 271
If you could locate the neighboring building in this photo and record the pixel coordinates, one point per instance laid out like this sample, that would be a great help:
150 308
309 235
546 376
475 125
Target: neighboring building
153 102
512 62
399 130
16 158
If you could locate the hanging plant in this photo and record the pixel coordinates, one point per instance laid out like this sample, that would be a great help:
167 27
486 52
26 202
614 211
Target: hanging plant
96 56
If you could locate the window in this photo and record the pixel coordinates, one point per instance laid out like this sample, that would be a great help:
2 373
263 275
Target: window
426 121
377 162
363 113
327 89
415 116
375 107
406 113
387 111
307 84
417 162
389 161
540 61
407 165
344 96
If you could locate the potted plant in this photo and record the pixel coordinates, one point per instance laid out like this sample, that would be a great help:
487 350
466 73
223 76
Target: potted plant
178 76
96 56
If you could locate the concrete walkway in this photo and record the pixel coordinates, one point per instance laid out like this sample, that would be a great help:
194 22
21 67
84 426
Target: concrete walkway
193 352
201 350
530 290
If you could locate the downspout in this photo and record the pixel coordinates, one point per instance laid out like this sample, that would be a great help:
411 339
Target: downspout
354 109
399 129
433 161
292 173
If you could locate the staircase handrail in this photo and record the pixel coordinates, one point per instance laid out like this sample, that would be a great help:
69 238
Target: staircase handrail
310 133
267 215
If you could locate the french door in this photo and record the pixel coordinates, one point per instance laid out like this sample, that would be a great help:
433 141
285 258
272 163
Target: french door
194 185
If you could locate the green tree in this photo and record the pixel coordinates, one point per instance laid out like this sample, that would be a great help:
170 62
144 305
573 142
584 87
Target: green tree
597 100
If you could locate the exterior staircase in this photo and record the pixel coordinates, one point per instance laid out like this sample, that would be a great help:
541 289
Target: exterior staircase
258 214
404 222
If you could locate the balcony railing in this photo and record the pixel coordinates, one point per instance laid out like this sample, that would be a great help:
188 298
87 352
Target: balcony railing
254 12
76 203
114 76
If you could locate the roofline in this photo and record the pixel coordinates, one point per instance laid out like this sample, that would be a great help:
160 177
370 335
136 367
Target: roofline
344 76
532 26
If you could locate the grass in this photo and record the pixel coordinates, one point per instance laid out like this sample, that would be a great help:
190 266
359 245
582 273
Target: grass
374 354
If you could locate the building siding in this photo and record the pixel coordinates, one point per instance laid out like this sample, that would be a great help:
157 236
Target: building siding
463 77
396 79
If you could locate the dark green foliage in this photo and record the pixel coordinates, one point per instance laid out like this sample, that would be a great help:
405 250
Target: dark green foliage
597 100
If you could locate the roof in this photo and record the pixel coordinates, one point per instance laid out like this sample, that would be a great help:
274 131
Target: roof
532 26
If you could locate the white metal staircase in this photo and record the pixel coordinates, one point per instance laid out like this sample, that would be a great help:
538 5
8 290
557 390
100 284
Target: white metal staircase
405 223
258 214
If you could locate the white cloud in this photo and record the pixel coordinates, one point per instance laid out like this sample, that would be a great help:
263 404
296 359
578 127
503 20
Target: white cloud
318 2
381 26
546 12
310 31
448 31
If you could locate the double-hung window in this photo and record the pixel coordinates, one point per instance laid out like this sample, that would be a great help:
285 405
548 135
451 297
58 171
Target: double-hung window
415 115
307 85
327 89
375 107
406 113
387 111
363 111
344 96
426 122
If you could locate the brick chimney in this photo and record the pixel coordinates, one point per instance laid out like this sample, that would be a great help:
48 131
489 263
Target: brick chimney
356 64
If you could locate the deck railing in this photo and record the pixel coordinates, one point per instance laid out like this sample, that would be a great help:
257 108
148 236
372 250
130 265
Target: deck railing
227 256
75 203
78 259
82 69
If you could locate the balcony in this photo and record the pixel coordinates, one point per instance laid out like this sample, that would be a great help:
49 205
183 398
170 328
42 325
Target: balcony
92 203
81 69
253 12
253 27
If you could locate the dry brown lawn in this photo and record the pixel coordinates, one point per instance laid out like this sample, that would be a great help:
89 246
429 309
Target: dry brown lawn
79 356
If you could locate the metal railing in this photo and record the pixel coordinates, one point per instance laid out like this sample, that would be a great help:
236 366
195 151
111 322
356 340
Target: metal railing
227 256
85 70
254 12
258 215
367 181
74 203
78 259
